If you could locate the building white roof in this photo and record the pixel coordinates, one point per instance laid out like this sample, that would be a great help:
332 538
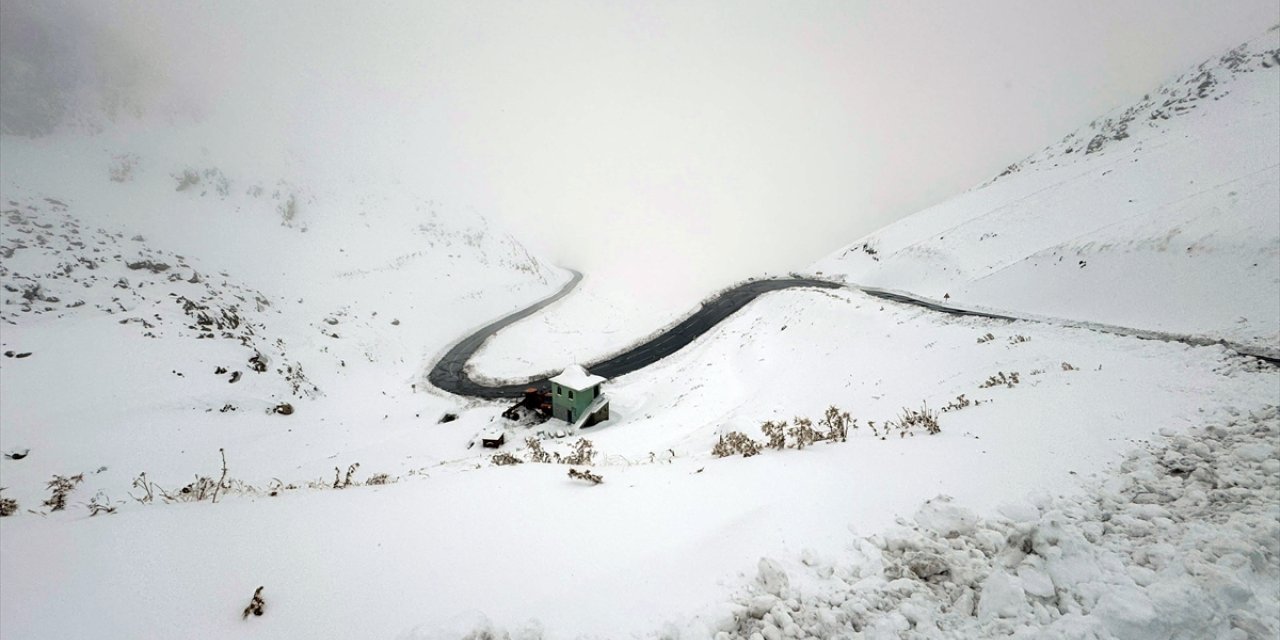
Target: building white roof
577 378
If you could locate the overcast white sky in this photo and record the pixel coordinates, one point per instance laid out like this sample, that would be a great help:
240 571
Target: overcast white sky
715 140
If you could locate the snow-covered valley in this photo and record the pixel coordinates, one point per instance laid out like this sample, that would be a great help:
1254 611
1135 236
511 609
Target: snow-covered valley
224 361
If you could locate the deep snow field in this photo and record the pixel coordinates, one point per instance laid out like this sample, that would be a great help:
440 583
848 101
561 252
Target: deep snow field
1082 484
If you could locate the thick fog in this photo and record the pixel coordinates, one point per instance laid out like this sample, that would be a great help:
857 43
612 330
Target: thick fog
671 145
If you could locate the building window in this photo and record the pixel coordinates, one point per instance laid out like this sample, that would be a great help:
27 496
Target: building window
571 394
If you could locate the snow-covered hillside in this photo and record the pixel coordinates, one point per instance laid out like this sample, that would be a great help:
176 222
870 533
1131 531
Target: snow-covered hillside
672 531
160 302
1137 219
213 381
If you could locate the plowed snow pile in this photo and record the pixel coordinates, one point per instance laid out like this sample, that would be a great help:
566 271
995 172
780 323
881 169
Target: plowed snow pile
1181 541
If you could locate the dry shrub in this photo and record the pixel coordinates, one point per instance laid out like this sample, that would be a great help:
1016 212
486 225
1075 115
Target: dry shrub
505 459
59 488
924 417
255 605
583 453
776 432
1000 378
8 506
585 475
99 504
959 403
802 433
735 442
837 423
536 452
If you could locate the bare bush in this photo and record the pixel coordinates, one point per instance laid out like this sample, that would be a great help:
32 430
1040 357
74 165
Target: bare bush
1000 378
1018 339
802 433
255 605
924 417
99 504
776 432
584 453
585 475
8 506
735 442
378 479
837 423
536 452
986 338
59 488
505 459
959 403
198 490
1067 366
346 480
222 480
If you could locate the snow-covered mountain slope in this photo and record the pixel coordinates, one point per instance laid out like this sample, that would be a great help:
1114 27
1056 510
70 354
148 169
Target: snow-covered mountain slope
663 543
1162 216
366 512
170 300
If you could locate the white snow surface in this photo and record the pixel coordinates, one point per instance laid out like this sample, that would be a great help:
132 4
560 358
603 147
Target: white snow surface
577 378
1023 517
1140 219
667 537
595 321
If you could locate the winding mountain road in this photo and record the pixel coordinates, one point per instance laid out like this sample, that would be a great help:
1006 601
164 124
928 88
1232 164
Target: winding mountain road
449 374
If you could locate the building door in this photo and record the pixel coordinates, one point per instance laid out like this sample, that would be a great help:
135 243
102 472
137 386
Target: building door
571 416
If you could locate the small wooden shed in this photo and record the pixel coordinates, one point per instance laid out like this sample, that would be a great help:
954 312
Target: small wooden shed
493 439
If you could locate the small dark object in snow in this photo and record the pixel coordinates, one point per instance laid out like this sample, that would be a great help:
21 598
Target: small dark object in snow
395 323
255 605
284 409
235 377
257 363
585 475
10 354
153 267
17 455
448 417
220 370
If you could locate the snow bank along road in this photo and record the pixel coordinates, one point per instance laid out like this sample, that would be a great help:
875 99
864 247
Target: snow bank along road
450 373
1271 356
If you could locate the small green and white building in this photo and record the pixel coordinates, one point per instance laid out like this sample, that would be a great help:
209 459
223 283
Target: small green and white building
576 397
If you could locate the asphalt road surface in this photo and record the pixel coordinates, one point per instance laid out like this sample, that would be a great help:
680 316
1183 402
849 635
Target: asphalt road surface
450 373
